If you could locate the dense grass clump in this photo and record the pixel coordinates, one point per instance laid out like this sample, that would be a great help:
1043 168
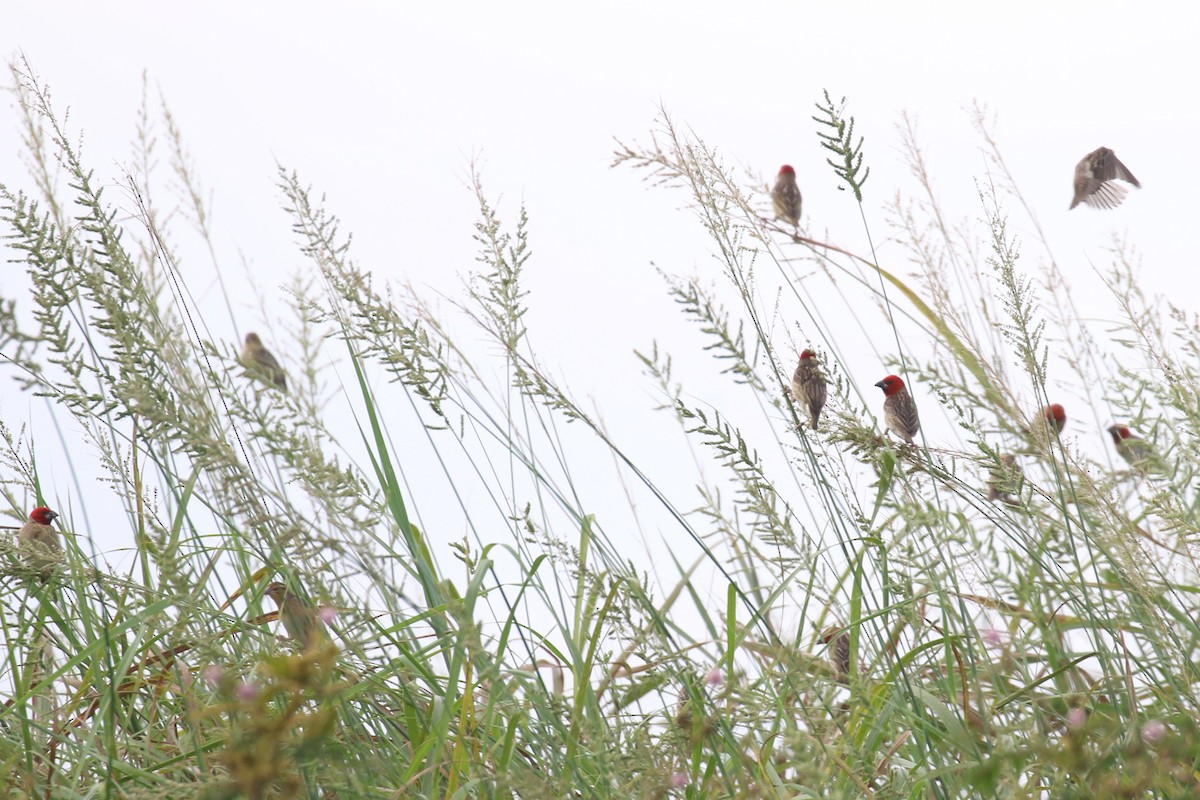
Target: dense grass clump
460 617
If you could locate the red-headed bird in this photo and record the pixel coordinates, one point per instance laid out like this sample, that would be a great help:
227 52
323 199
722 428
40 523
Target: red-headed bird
1094 176
38 541
1047 424
1136 451
786 196
899 410
809 386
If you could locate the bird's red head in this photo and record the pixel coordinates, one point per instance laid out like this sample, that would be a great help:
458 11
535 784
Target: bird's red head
808 354
786 169
1119 433
1056 416
891 385
43 515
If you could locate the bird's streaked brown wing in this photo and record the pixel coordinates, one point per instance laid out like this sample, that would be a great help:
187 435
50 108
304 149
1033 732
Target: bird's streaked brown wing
1104 194
267 360
902 413
787 200
1094 176
1106 167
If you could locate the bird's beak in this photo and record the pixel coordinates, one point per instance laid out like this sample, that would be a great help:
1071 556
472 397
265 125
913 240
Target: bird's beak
880 384
53 516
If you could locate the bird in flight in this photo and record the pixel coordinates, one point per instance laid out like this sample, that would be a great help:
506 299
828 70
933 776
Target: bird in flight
1094 180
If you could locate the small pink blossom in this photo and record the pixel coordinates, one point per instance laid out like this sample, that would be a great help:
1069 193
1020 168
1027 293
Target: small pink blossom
213 674
715 677
327 614
1076 718
679 780
995 638
1153 731
246 691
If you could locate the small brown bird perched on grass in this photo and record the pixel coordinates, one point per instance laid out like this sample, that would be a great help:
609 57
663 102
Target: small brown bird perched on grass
299 619
786 196
1139 453
1047 424
37 540
1005 479
899 410
840 652
259 361
808 386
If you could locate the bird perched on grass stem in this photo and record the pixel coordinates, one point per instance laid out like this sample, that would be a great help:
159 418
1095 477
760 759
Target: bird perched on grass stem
899 410
262 363
299 619
809 387
1005 479
1094 176
37 540
1047 424
840 655
786 196
1136 451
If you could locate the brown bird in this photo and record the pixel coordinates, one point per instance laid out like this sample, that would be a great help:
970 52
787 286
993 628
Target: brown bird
1094 177
841 651
38 541
260 361
1005 479
809 386
299 619
1139 453
786 196
899 410
1047 424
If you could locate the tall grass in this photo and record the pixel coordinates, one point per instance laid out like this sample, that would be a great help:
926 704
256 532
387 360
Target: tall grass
879 627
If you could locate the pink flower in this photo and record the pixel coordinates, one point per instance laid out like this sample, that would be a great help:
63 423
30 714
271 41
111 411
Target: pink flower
995 638
1076 718
715 677
327 614
213 674
679 780
1153 731
246 691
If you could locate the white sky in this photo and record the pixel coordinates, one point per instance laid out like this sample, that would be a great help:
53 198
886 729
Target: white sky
382 105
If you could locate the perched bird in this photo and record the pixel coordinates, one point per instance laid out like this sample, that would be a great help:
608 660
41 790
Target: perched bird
259 360
786 196
1094 177
808 386
1136 451
899 410
841 652
1047 424
1005 479
38 541
299 619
